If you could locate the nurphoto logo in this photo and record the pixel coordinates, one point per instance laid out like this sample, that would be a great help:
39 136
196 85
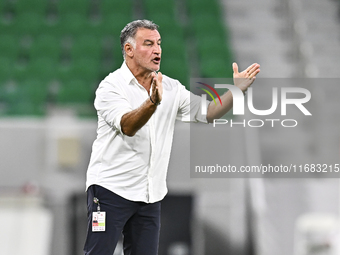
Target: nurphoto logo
239 104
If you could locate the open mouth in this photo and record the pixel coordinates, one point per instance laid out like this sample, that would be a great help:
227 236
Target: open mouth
156 60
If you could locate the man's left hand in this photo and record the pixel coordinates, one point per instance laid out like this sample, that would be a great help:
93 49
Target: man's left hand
245 78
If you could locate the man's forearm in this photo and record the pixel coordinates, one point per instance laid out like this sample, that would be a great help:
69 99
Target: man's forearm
132 121
217 111
242 80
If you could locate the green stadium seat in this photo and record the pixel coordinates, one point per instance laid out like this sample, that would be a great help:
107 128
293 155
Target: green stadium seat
70 7
39 68
210 34
3 83
10 94
86 68
108 56
176 68
42 68
77 94
81 63
71 24
109 7
87 46
204 25
27 98
213 45
20 71
117 53
9 46
75 91
168 25
33 6
112 57
46 45
200 7
215 68
6 7
29 23
5 27
6 67
173 45
112 24
2 7
80 68
64 71
156 6
4 18
5 88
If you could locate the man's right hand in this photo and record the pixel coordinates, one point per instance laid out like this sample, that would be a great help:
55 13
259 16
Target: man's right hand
157 88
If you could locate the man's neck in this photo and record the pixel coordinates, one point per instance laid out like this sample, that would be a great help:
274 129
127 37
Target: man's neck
142 75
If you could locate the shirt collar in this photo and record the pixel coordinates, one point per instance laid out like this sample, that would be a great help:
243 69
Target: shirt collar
127 74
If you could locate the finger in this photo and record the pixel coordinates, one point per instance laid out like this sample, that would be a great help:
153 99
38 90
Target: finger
249 68
255 66
254 69
159 77
235 68
153 75
154 85
253 74
159 83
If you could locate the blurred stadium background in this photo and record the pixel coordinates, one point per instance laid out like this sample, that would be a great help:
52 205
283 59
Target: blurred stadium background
54 53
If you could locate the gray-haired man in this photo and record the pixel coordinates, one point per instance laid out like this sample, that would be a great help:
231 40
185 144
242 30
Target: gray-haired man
137 109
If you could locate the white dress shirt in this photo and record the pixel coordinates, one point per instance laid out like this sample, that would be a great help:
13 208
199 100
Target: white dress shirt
135 167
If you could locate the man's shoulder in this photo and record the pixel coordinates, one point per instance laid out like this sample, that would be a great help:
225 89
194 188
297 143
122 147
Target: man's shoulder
112 79
171 83
114 76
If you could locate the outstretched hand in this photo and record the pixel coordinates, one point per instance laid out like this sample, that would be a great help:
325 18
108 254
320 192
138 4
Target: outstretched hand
245 78
157 88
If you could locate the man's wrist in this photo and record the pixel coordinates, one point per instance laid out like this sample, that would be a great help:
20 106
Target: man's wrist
152 101
243 89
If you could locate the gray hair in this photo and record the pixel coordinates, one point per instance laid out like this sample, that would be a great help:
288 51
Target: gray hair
129 31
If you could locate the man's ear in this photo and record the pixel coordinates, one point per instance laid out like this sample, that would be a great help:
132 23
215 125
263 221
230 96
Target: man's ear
128 50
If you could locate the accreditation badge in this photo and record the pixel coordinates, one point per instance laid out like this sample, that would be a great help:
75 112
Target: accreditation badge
98 221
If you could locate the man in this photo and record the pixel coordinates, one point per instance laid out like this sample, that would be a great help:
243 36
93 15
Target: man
137 108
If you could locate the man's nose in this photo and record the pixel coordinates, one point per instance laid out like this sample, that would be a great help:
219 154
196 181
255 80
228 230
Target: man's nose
157 49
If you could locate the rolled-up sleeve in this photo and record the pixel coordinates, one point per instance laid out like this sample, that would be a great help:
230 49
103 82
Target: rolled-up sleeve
111 104
190 107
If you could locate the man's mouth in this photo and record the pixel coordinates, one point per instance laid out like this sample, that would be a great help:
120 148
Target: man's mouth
156 60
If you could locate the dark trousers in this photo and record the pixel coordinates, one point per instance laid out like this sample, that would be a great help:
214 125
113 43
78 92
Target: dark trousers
138 221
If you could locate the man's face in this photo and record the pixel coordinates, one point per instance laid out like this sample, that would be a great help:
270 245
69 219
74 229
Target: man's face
147 52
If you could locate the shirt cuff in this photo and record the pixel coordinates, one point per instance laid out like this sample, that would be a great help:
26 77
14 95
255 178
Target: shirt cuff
118 118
